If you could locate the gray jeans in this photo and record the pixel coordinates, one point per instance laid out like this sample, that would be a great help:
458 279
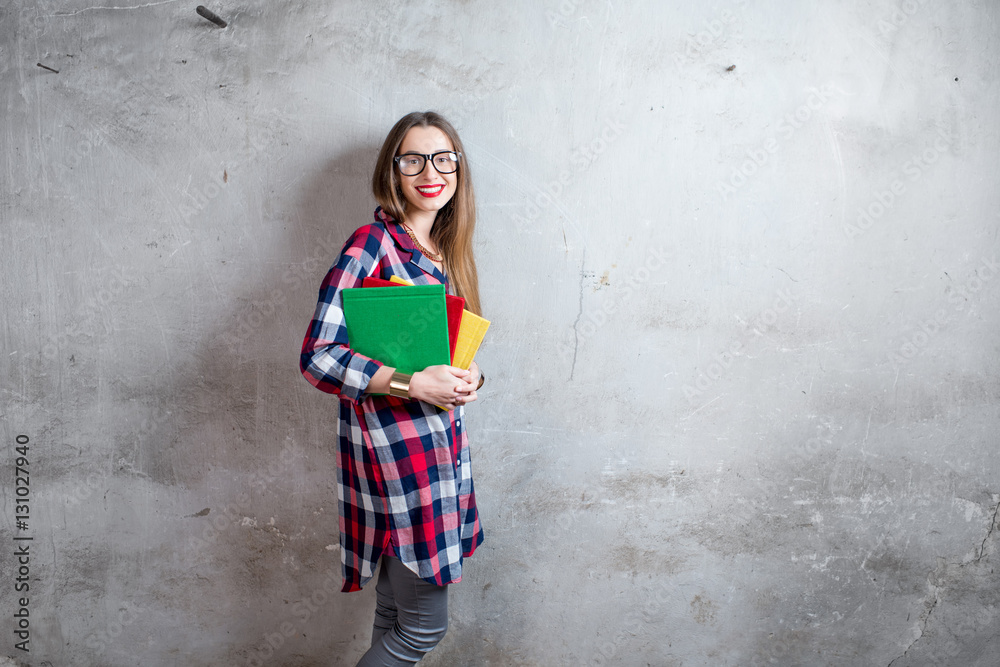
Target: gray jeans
411 617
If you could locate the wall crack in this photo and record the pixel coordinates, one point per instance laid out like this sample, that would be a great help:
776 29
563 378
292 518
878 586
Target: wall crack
923 628
993 523
89 9
938 589
579 315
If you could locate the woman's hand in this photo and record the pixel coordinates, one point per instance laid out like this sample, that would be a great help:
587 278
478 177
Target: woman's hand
444 386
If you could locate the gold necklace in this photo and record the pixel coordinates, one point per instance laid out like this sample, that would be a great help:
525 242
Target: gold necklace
434 257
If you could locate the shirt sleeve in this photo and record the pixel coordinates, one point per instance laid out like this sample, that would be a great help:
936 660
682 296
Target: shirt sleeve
326 360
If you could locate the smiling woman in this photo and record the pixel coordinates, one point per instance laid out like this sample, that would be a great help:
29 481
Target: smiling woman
403 464
453 221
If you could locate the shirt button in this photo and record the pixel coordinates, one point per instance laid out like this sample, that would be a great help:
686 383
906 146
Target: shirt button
459 463
458 423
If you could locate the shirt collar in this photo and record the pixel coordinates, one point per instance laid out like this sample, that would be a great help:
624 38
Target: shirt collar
405 243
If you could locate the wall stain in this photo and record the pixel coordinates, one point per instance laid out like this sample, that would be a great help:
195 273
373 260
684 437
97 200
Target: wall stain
703 610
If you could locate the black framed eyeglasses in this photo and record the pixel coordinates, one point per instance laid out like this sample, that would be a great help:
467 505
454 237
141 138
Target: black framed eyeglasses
411 164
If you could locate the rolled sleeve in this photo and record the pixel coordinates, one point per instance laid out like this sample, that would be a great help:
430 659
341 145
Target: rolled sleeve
327 361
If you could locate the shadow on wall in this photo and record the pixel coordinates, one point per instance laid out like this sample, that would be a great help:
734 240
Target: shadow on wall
241 423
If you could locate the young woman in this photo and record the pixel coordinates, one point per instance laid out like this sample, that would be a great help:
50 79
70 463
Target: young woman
403 466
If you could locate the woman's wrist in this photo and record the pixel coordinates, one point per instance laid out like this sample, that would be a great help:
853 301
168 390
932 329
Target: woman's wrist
379 382
416 385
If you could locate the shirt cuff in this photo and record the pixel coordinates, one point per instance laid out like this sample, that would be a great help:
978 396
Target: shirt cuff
360 370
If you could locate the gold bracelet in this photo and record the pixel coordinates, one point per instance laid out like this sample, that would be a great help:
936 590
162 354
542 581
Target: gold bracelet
482 379
399 385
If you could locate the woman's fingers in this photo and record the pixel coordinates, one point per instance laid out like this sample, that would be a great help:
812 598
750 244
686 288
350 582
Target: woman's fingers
459 399
468 398
437 385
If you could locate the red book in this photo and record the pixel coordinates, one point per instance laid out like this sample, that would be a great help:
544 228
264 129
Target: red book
454 304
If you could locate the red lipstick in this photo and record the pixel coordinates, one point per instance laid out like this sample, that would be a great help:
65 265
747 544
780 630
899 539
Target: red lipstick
430 190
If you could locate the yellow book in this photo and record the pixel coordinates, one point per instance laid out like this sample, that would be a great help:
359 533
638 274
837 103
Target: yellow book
471 333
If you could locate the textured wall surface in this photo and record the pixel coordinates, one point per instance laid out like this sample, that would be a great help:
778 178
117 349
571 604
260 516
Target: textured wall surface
741 260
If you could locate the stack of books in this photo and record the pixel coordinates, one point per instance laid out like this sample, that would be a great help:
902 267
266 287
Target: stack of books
411 327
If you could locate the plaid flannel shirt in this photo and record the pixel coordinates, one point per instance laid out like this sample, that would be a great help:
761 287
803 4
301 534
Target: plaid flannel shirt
404 474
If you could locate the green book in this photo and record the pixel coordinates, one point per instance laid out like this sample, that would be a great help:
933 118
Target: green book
403 328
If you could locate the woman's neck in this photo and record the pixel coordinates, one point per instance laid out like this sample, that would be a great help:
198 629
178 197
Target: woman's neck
421 225
421 222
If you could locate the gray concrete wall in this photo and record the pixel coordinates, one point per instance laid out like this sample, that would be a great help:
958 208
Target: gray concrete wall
741 263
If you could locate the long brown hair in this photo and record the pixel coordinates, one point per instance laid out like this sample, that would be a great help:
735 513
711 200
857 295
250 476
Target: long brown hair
455 222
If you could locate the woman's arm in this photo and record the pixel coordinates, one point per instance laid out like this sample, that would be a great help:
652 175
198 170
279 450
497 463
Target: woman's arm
326 360
332 366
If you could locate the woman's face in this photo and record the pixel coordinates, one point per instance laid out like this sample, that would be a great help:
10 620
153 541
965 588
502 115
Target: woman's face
429 190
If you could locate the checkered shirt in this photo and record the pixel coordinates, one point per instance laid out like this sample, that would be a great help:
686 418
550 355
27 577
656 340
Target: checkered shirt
404 473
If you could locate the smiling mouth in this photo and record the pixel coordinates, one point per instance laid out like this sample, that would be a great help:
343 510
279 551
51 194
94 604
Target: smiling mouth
430 190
